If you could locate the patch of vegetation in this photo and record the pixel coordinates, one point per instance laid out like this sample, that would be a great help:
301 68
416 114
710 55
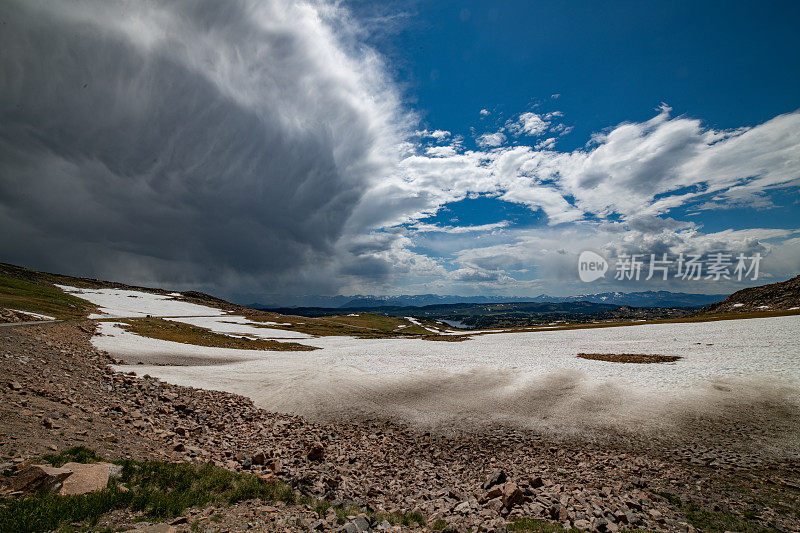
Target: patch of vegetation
447 338
39 296
671 498
402 519
640 358
713 521
169 330
439 525
158 490
538 526
78 454
720 521
362 325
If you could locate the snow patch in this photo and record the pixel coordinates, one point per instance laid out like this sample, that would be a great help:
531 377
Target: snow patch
34 315
417 323
348 372
119 303
240 326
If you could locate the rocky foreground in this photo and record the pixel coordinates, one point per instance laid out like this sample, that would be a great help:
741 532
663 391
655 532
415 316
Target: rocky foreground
57 391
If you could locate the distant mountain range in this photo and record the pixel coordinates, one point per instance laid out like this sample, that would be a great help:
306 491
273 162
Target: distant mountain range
507 314
633 299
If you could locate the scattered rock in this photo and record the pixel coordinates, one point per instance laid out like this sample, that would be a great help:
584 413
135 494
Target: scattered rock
496 477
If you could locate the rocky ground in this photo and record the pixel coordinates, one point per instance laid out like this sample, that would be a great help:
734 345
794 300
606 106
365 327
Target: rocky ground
57 391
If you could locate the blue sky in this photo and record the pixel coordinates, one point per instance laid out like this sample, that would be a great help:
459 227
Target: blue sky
469 67
732 64
729 64
261 149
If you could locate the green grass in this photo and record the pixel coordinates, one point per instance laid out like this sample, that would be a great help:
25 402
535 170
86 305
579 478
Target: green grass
720 521
538 526
365 325
713 521
671 498
78 454
169 330
40 297
439 525
158 490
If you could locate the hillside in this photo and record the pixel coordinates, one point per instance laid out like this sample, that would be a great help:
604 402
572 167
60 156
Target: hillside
781 296
27 295
32 291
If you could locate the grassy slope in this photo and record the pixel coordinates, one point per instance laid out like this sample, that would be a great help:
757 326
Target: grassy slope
365 325
29 290
168 330
37 294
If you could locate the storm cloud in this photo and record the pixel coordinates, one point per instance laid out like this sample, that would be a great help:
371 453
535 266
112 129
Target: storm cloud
198 142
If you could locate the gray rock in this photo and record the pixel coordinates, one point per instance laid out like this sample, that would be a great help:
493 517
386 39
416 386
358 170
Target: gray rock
496 477
362 523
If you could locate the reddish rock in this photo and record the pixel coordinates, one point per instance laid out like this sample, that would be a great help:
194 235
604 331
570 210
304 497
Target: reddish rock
316 452
86 478
37 478
512 496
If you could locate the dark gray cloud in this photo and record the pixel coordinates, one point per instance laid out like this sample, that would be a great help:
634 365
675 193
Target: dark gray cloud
221 144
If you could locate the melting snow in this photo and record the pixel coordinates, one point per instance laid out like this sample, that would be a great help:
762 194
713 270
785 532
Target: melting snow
417 323
119 303
240 326
748 348
35 315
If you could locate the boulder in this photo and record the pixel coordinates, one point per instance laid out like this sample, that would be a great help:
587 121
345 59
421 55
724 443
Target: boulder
38 478
495 505
559 512
494 492
316 452
512 495
495 477
85 478
260 459
362 523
